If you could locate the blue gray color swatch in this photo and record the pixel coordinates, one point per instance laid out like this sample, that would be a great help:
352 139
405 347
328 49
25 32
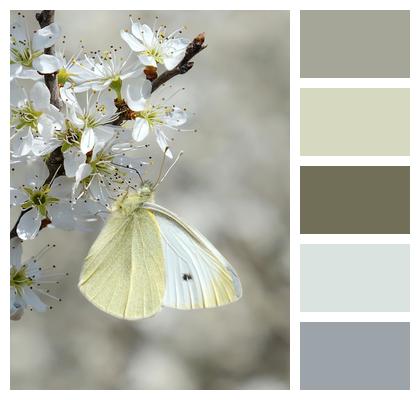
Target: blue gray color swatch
355 355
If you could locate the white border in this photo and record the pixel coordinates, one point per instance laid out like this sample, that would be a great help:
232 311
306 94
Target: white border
294 6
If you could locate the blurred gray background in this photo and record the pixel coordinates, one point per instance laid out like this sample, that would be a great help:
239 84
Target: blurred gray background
232 184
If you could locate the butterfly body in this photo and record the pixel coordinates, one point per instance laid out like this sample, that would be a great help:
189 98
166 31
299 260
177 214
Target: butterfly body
145 257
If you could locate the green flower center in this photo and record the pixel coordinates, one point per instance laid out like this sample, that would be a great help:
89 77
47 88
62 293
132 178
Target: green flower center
63 76
19 278
24 56
26 116
101 164
70 136
152 115
155 53
39 199
116 85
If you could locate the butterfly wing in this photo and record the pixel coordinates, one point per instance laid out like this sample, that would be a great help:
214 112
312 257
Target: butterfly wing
197 275
124 272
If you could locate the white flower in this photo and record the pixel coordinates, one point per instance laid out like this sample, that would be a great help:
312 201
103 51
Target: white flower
87 125
34 121
29 280
106 71
155 118
109 172
27 51
42 202
153 48
69 71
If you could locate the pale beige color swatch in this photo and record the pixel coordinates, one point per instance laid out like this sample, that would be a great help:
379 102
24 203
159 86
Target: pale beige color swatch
355 122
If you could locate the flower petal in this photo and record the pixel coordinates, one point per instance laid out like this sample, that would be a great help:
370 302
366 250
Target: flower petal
29 224
21 143
176 117
17 197
15 252
15 70
61 215
73 158
146 35
83 172
147 60
41 146
136 92
31 299
37 173
62 187
103 134
17 94
46 64
46 37
132 42
162 141
40 96
140 129
88 140
29 73
18 31
45 127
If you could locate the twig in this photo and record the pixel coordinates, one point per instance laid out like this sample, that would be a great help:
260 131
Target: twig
197 45
185 64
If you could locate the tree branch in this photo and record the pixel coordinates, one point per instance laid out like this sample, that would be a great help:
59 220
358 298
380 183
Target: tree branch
56 160
184 65
45 18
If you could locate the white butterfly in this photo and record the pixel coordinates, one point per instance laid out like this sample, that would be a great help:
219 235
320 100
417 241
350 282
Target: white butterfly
146 257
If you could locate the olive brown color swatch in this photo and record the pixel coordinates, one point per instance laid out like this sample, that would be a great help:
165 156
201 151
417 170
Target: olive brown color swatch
355 44
358 200
355 122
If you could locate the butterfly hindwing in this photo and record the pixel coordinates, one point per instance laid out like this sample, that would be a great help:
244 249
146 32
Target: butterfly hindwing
197 275
124 272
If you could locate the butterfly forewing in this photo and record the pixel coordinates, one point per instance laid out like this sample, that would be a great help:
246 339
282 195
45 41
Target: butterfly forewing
124 272
197 275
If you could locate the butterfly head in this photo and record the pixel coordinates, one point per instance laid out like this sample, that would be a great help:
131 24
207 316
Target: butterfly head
146 192
130 202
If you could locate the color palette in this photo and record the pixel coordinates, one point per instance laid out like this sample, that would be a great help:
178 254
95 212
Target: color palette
354 199
354 355
355 122
355 278
355 44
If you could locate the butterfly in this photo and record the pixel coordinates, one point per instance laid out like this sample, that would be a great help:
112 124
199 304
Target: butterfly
146 257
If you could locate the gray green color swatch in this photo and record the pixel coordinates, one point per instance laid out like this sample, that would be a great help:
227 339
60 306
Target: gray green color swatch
355 44
355 122
355 199
355 355
355 277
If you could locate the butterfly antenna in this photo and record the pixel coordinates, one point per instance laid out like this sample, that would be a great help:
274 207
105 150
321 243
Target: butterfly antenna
161 168
169 169
133 169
